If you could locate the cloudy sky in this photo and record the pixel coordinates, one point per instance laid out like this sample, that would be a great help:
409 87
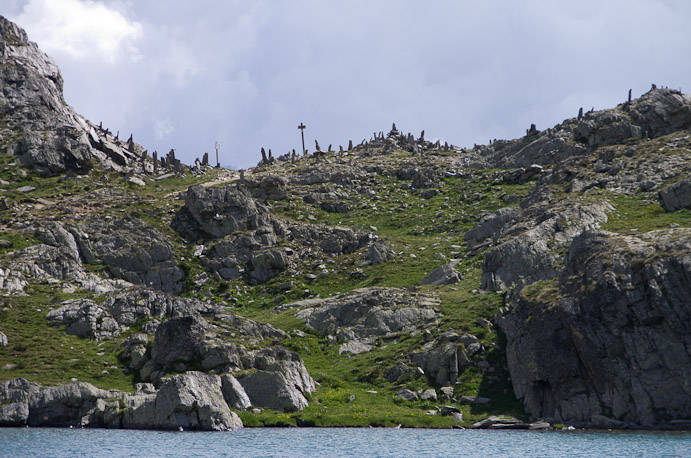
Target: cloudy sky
182 74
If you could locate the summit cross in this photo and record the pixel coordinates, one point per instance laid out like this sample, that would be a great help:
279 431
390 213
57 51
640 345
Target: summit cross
302 134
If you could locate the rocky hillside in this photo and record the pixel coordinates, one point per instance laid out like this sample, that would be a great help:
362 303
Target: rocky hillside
545 279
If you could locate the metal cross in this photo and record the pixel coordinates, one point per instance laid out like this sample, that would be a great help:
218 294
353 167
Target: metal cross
302 133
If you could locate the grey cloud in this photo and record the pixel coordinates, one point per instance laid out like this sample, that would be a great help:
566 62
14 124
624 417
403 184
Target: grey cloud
246 73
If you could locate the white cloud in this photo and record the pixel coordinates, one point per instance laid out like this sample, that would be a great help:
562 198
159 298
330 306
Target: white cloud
162 128
80 29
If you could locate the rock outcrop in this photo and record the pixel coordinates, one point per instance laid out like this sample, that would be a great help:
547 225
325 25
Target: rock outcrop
527 251
222 211
607 340
368 312
37 124
190 401
676 196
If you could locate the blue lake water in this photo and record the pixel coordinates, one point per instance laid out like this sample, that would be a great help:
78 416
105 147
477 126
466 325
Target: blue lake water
334 443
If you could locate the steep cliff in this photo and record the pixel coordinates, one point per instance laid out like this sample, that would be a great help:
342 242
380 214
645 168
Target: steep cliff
607 342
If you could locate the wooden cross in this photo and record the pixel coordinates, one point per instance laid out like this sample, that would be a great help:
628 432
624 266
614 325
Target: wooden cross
302 133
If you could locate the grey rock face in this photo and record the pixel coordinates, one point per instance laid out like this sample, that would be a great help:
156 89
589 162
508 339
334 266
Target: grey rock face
491 225
336 240
194 401
343 240
84 318
120 310
53 264
73 404
234 393
280 382
266 264
12 280
442 275
380 252
132 250
134 351
3 340
221 211
656 113
368 312
677 196
181 343
32 90
54 234
177 341
529 252
270 187
233 256
138 303
271 389
138 253
14 401
51 136
611 339
443 363
250 328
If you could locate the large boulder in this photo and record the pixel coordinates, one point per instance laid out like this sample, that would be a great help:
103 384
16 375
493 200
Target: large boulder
609 338
73 404
442 275
269 187
194 401
676 196
191 401
443 363
136 252
280 381
234 394
177 341
84 318
272 389
368 312
53 233
266 264
380 251
221 211
250 254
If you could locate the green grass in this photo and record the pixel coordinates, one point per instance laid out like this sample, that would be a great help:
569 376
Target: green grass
636 213
19 240
47 355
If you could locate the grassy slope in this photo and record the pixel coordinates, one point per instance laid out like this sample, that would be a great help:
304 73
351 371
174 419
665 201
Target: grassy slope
420 231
